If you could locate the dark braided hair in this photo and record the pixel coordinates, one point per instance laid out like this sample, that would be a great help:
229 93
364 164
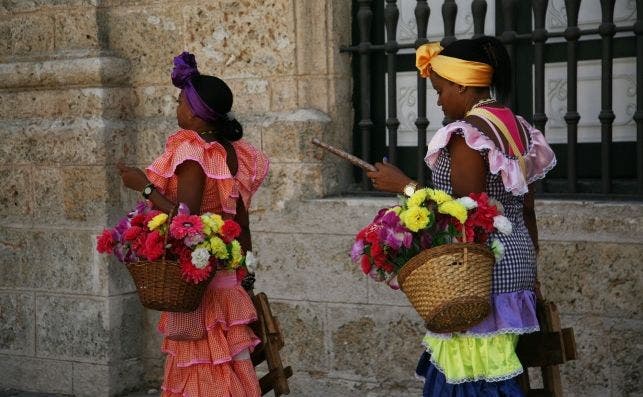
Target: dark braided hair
489 50
218 96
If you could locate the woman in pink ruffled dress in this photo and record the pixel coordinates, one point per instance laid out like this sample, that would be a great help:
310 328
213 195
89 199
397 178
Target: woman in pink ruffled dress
208 167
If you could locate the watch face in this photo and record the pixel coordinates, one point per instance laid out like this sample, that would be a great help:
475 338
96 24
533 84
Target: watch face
147 190
409 190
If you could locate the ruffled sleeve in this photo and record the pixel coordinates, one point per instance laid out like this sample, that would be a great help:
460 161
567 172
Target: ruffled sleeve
539 158
253 168
187 145
221 188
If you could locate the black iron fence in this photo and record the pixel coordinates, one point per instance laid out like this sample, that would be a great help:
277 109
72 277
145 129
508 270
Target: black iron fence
608 169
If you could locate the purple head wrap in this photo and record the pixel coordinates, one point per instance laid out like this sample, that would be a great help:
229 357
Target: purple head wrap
184 70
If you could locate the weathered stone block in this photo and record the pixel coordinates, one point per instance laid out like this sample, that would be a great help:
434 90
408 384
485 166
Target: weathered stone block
76 30
126 339
287 138
251 95
626 353
14 244
303 326
286 182
296 270
283 94
312 37
315 384
362 335
339 35
130 32
36 374
62 261
32 33
148 138
243 38
75 194
16 323
77 103
589 374
36 5
583 277
156 102
63 141
72 328
349 215
6 46
15 195
313 92
589 221
106 380
78 72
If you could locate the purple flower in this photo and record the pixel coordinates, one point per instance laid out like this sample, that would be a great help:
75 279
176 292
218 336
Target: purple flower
357 251
183 209
393 233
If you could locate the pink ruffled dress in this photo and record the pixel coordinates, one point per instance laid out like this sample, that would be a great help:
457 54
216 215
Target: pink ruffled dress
218 365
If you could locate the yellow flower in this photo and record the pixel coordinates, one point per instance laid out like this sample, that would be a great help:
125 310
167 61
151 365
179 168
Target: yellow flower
218 248
417 198
211 223
157 221
439 196
455 209
236 254
415 218
397 209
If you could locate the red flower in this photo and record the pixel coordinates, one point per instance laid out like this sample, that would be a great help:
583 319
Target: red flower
365 263
105 242
193 274
135 235
154 245
185 225
139 220
230 230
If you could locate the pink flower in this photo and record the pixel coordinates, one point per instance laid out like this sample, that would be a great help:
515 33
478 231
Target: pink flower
154 245
185 225
105 242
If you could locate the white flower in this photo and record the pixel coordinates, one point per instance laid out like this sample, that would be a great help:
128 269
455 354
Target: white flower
468 202
498 204
503 224
498 250
193 239
200 258
251 262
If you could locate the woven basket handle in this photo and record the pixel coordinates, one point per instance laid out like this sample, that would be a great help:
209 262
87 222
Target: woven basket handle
167 234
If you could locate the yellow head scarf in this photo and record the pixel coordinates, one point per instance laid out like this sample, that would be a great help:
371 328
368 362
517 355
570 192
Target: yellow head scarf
459 71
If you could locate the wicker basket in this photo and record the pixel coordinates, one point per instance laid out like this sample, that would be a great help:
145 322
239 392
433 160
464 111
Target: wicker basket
449 285
161 287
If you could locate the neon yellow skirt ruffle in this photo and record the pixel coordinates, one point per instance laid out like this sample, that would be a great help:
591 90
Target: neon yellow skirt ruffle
467 358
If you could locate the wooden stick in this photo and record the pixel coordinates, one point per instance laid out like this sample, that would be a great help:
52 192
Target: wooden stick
345 155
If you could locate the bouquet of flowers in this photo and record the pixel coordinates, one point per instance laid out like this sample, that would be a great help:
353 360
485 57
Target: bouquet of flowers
200 243
427 219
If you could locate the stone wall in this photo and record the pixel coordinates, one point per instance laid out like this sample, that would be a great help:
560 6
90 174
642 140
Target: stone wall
84 83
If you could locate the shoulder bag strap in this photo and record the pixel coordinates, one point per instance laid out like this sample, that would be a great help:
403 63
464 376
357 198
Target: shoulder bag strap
484 113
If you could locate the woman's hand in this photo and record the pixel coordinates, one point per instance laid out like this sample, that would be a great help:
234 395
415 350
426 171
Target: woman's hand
133 178
388 178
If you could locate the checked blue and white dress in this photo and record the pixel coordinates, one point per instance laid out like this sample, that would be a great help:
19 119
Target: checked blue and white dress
482 361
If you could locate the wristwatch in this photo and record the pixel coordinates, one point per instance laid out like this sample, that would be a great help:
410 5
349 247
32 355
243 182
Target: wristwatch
409 189
148 189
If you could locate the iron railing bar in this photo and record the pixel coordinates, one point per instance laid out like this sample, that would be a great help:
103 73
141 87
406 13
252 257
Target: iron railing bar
638 115
572 117
364 18
606 115
422 13
391 16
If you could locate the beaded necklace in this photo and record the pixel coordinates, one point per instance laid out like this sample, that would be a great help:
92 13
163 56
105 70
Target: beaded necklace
482 102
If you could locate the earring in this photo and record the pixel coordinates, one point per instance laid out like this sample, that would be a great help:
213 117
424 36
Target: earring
461 89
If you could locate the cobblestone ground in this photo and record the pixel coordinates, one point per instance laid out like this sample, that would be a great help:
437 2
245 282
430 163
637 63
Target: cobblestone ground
19 393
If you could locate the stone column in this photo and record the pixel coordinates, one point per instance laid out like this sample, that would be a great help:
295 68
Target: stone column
69 320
